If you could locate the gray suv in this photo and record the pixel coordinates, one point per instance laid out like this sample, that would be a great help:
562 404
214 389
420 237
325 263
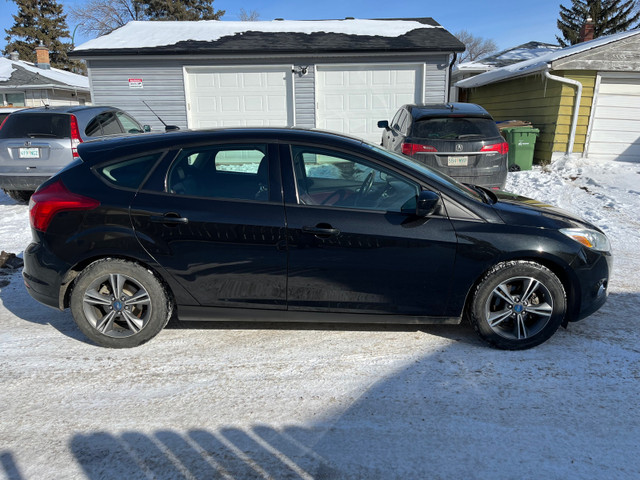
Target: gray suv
35 143
458 139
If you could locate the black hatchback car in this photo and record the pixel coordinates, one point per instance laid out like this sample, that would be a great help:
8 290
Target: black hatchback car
304 226
459 139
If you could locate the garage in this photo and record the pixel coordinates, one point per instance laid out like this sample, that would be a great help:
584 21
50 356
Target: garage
351 99
239 97
615 128
341 75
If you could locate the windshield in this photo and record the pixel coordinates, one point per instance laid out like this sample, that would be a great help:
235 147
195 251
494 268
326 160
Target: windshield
454 128
428 172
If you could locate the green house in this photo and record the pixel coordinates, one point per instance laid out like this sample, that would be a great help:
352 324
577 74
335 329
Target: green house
603 75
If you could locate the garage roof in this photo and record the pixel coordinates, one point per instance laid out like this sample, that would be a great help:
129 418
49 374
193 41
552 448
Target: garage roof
286 36
541 63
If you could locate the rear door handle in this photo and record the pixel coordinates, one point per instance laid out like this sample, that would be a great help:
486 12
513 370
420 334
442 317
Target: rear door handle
170 218
321 231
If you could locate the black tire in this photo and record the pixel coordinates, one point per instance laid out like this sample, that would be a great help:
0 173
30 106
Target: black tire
135 316
518 305
20 196
514 168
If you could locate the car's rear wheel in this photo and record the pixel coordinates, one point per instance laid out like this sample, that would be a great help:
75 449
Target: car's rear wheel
20 196
119 304
518 305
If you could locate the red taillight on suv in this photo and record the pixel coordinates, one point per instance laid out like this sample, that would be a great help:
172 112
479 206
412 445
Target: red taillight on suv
75 136
501 148
2 123
413 148
54 198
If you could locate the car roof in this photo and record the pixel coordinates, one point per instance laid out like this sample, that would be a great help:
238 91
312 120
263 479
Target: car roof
71 109
419 111
105 147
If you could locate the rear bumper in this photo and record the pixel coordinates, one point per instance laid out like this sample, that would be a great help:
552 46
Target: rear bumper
486 171
22 182
42 276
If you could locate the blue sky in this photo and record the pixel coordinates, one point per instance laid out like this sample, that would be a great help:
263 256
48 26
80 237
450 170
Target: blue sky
507 22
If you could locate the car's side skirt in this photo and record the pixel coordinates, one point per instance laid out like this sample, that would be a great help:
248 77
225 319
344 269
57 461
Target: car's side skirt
216 314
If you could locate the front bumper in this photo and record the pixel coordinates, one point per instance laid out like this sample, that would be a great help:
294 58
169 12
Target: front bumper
593 270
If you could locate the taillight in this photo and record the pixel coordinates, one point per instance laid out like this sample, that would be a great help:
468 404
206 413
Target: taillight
2 124
413 148
501 148
75 136
55 198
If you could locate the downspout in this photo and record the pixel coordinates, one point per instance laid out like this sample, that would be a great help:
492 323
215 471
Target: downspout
576 106
453 61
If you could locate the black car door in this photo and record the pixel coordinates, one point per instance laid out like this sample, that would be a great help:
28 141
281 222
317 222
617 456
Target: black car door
350 247
214 220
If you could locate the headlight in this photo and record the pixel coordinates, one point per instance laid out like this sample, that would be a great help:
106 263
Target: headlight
588 238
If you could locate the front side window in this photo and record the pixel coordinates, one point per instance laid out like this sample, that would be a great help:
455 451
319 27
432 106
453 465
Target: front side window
221 171
325 177
128 123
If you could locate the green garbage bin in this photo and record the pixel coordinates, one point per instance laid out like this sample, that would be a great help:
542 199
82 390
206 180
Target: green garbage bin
522 142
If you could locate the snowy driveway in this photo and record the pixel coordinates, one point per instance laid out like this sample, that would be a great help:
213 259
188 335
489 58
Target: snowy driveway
242 401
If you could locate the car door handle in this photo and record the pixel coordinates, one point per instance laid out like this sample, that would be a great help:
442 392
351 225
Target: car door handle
170 218
321 231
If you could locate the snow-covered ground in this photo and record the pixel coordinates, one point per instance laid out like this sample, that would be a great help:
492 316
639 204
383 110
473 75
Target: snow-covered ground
271 401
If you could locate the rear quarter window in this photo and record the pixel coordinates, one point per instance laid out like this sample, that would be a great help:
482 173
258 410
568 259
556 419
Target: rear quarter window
37 125
128 173
455 128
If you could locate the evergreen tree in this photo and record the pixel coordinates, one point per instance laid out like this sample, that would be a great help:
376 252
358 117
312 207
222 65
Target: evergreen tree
179 10
40 22
609 16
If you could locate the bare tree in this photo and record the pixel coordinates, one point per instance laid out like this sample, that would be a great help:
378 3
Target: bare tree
476 47
250 16
99 17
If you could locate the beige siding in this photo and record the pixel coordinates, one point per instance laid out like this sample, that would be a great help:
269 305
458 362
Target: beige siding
547 104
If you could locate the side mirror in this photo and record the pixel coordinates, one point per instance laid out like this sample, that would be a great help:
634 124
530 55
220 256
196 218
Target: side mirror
146 128
383 124
422 205
171 128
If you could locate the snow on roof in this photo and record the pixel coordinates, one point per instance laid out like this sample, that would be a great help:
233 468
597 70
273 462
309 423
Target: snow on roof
520 53
72 79
6 69
537 64
138 34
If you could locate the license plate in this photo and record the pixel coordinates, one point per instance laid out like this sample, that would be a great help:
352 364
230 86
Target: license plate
458 161
29 153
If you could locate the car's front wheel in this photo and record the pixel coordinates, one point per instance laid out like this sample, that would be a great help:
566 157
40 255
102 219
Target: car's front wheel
518 305
119 304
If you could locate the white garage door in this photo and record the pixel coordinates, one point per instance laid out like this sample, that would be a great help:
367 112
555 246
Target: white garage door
239 96
615 129
352 99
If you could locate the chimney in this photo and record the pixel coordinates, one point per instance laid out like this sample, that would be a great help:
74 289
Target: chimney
15 56
587 30
42 56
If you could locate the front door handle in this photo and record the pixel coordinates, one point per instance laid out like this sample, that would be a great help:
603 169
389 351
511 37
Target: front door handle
321 230
170 218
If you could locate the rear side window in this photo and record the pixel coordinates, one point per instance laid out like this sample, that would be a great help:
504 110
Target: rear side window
104 124
222 171
455 128
37 125
128 173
